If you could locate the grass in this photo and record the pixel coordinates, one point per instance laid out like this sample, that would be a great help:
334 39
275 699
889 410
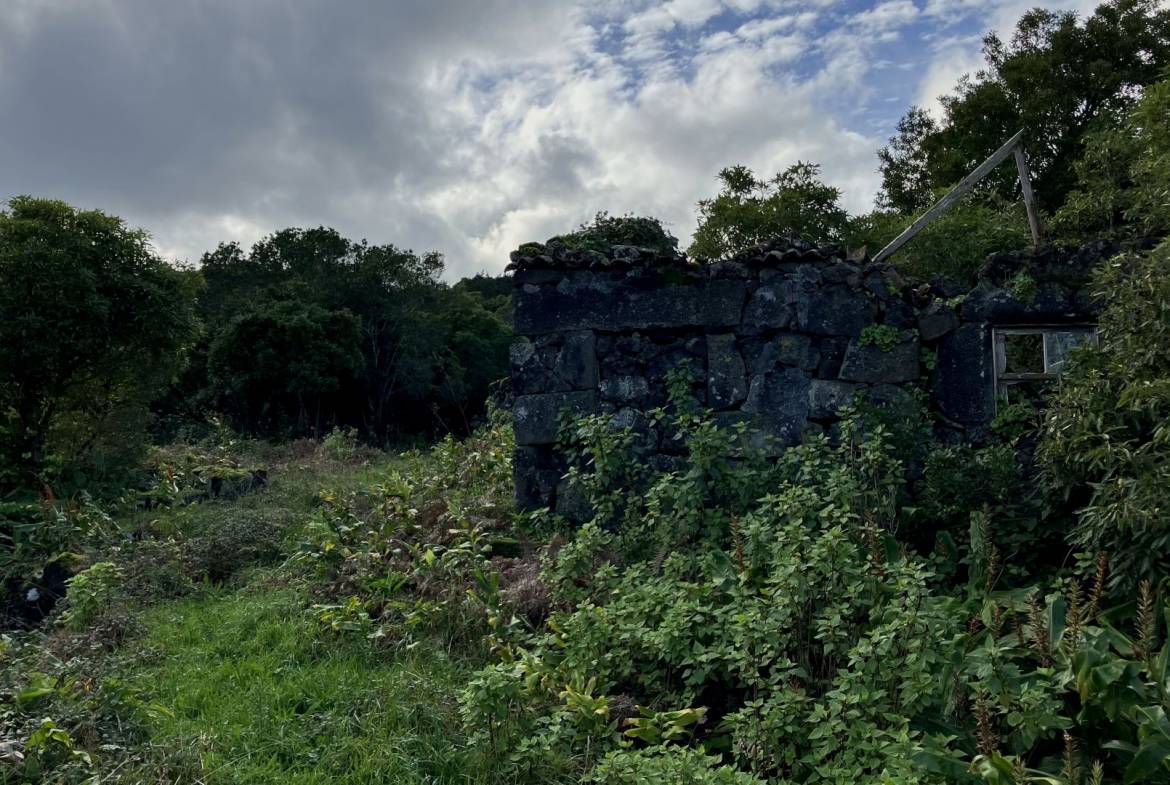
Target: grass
258 696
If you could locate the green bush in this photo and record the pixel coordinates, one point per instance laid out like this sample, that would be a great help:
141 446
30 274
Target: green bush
1104 445
954 245
224 540
90 592
678 766
606 231
771 615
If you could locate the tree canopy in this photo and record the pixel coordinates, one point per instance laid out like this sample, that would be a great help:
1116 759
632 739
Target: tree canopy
1057 78
93 324
749 210
308 330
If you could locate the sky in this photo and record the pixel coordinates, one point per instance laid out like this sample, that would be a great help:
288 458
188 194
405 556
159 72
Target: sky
463 126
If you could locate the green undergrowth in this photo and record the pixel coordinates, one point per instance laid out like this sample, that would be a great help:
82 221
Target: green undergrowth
257 696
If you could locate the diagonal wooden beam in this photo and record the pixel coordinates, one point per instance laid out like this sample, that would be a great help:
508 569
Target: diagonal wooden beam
952 196
1026 190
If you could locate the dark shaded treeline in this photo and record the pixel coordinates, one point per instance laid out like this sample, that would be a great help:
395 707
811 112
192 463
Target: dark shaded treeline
308 331
106 346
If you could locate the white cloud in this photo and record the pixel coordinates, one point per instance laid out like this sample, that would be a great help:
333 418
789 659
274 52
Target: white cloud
468 128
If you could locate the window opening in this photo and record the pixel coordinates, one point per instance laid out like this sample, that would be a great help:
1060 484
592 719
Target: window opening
1028 359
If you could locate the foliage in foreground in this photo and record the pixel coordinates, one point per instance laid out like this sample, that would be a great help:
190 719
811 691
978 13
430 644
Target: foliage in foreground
794 638
1105 442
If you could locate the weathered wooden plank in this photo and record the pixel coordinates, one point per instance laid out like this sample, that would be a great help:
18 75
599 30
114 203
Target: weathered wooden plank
1026 190
952 196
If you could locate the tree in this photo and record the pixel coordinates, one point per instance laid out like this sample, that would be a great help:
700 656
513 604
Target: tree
283 364
905 163
606 231
749 211
1057 78
1123 179
93 324
415 372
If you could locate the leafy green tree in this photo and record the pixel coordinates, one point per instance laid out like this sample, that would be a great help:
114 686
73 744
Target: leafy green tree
424 348
283 364
749 211
606 231
905 163
1123 179
93 325
1104 442
1057 78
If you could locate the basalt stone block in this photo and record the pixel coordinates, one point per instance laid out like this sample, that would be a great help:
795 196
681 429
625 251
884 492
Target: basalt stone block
529 374
554 363
937 320
535 474
592 302
779 401
871 364
580 301
826 397
963 376
833 310
890 397
627 390
898 314
1052 302
771 306
571 501
535 418
885 283
726 375
839 272
575 367
784 349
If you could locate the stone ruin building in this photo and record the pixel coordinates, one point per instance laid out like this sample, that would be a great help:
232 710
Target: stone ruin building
780 338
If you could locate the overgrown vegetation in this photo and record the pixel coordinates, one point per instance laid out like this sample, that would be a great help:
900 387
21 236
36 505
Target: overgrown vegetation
878 605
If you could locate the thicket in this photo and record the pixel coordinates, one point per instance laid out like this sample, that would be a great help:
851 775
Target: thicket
108 347
308 330
874 606
856 611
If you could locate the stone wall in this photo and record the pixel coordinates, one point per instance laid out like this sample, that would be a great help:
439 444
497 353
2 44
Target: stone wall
781 338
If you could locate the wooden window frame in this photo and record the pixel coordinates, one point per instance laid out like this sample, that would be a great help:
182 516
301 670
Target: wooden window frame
1003 380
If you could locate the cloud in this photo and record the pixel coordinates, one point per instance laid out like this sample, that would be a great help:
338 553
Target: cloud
463 127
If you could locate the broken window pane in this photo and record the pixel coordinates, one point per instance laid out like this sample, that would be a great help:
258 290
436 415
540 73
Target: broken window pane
1028 359
1058 344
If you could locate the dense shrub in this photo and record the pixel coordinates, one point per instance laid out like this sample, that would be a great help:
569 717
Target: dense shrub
605 231
1104 445
954 245
701 627
749 210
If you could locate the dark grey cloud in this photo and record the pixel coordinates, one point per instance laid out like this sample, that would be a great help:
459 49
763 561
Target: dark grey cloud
264 110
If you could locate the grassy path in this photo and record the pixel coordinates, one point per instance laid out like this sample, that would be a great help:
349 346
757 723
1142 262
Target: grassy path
259 698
